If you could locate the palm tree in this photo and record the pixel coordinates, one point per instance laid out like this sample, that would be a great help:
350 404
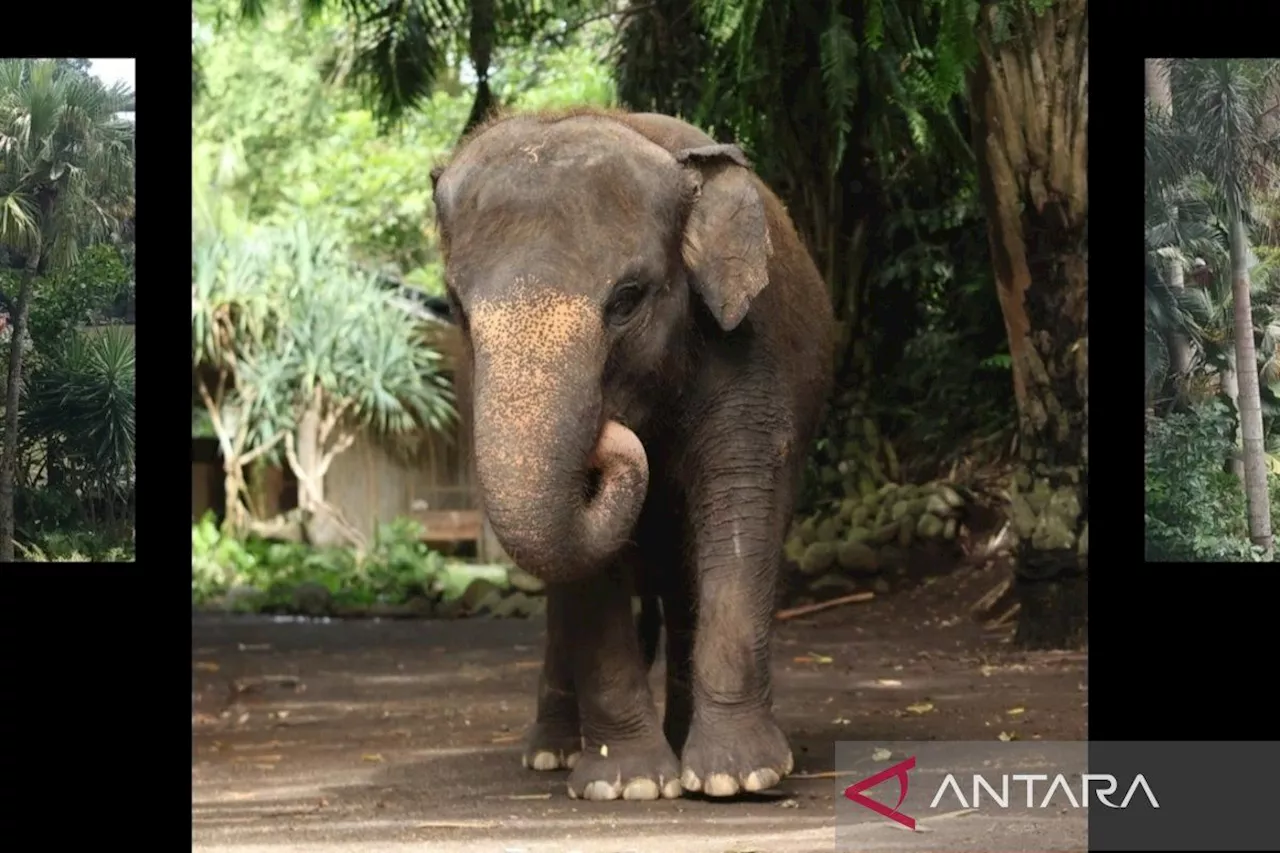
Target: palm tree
1226 109
1160 101
86 397
65 161
293 349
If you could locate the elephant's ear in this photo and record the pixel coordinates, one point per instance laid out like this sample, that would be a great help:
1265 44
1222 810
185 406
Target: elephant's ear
726 237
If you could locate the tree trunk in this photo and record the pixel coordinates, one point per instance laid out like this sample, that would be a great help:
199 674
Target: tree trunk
321 527
1030 109
1179 344
1255 460
1231 388
13 396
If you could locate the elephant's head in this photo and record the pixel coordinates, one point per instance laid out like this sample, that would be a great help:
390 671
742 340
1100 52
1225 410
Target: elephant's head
576 251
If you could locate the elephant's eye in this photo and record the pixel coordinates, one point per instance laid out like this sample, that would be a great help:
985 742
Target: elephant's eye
624 302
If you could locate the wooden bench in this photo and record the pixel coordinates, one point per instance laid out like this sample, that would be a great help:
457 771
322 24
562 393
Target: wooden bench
450 525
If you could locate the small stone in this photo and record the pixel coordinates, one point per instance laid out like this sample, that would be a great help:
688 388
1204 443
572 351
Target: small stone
525 582
488 602
857 556
886 533
935 505
950 496
311 598
243 599
477 591
514 605
818 557
839 583
929 525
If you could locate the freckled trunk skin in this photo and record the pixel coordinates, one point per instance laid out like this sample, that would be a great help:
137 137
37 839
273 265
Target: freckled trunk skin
538 436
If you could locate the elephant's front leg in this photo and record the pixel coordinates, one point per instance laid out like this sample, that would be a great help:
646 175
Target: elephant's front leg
739 519
555 741
624 753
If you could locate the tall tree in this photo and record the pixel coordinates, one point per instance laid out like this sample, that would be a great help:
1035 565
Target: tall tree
1226 110
1161 100
66 162
1030 96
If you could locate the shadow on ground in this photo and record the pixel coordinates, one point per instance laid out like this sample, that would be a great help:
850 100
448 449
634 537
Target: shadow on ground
362 736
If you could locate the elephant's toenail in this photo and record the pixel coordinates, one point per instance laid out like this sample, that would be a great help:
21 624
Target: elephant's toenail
690 780
671 790
760 780
572 759
545 761
721 785
600 790
640 789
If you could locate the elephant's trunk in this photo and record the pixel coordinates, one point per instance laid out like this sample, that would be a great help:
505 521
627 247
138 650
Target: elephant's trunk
562 490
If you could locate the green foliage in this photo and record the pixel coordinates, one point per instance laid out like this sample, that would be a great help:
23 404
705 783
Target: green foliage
1194 509
76 546
85 398
280 125
397 567
283 309
65 299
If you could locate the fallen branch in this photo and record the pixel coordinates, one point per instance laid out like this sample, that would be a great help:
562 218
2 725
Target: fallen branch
823 605
995 598
826 774
1004 618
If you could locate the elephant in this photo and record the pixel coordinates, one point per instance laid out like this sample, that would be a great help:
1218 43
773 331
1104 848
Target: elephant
649 348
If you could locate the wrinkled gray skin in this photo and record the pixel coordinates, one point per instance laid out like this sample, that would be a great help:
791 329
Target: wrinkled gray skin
651 346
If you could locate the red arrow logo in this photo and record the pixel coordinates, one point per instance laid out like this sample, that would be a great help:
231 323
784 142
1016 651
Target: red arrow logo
854 792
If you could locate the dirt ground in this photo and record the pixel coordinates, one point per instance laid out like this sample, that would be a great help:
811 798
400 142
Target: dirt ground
365 735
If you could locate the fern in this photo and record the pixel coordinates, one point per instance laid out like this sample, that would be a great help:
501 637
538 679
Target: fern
839 55
873 26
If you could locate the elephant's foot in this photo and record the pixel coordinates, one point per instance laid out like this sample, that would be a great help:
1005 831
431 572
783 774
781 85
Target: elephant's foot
552 745
643 769
736 753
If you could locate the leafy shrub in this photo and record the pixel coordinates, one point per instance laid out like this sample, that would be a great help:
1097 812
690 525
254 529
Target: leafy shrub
397 567
75 546
1195 510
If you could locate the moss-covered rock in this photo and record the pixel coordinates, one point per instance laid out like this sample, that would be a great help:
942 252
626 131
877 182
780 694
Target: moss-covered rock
808 530
794 549
935 505
818 557
847 507
929 525
857 556
886 533
866 487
